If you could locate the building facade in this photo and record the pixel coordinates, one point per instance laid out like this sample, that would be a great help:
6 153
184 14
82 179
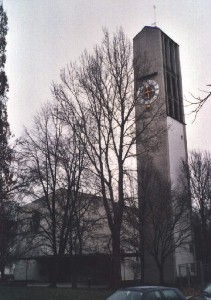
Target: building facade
88 262
161 133
161 143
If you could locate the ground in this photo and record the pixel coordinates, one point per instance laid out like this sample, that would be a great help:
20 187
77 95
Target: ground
43 293
12 292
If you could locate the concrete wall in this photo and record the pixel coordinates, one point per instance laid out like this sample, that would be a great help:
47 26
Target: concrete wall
177 148
171 142
177 154
149 59
32 270
130 269
29 270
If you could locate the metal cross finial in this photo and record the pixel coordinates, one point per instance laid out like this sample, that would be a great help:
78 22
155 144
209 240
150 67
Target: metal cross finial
155 23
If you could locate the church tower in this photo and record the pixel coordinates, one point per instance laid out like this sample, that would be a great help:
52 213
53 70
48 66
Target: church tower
159 96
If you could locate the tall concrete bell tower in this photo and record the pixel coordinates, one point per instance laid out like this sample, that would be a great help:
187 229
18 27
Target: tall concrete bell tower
158 86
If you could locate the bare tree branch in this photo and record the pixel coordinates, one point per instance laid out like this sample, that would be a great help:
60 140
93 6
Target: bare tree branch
197 103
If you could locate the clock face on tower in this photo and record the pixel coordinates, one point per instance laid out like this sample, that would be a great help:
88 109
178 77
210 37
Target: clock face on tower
148 91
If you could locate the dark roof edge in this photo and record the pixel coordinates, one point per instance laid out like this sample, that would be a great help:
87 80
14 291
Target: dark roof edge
153 28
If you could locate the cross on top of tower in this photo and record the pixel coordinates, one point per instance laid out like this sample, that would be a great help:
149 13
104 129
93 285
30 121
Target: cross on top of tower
155 23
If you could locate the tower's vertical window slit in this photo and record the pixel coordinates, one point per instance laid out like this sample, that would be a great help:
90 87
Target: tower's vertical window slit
172 79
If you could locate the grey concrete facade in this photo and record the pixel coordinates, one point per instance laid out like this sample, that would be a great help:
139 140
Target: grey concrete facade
153 60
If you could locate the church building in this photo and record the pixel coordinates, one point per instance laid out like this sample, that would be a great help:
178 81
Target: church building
161 147
160 116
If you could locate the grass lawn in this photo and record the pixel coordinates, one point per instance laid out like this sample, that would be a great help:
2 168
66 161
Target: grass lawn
40 293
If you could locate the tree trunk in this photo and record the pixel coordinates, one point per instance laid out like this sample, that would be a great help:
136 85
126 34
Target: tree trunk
74 272
142 244
161 273
2 274
54 272
142 258
115 276
204 247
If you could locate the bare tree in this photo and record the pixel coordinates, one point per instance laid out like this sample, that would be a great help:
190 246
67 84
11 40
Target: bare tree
169 220
55 167
99 92
196 103
198 172
162 222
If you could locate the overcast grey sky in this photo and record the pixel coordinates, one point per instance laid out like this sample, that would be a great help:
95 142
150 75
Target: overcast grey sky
45 35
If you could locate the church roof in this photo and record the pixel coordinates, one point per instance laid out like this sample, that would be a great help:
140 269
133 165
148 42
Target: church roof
146 29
